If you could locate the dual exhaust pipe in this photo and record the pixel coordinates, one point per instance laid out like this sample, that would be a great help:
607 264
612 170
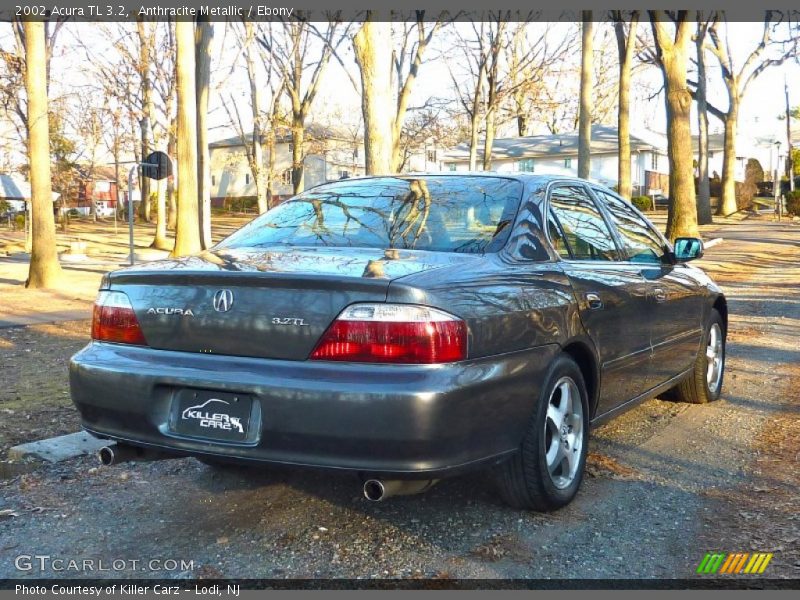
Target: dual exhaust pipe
375 490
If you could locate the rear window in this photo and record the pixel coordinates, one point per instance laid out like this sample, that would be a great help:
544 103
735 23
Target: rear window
440 213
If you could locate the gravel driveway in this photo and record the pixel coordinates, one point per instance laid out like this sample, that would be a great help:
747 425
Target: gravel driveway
667 482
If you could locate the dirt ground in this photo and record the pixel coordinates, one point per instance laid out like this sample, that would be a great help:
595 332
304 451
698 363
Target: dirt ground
667 482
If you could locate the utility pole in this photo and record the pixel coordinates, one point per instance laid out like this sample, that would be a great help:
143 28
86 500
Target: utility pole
789 161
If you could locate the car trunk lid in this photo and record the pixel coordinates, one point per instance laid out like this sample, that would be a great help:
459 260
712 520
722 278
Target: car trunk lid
260 303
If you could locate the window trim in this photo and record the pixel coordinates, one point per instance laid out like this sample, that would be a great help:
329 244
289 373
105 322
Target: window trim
603 215
666 246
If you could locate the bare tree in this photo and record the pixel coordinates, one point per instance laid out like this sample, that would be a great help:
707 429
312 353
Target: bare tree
737 82
373 49
586 107
469 92
187 234
45 270
302 52
626 46
407 62
672 35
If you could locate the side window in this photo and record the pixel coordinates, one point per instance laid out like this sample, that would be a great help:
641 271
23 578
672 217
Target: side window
640 242
586 233
557 237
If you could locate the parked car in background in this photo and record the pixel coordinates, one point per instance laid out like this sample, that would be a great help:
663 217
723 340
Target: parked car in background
405 329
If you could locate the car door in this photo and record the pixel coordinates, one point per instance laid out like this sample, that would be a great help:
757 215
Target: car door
610 293
674 304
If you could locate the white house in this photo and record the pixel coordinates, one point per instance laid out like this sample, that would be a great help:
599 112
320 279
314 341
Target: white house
557 154
330 155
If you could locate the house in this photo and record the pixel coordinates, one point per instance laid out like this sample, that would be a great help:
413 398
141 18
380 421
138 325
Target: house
330 155
557 154
98 185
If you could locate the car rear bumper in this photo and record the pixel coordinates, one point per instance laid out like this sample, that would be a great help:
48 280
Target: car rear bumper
375 419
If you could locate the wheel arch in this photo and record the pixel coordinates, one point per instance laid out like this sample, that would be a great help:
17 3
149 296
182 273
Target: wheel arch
582 352
721 306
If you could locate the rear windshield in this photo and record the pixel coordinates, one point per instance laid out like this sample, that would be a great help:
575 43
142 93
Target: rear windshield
441 213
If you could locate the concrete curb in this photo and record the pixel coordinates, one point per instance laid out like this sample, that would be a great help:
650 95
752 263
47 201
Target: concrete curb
59 448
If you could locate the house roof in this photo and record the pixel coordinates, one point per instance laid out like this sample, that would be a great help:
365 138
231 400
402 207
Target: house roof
100 172
604 141
314 131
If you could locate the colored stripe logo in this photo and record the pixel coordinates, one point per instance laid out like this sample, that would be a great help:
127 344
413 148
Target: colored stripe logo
734 563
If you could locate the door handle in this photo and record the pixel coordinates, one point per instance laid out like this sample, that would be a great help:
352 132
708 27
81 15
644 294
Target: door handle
659 294
594 301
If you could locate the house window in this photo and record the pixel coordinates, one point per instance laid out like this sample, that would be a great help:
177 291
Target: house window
451 166
567 163
430 155
654 162
526 164
286 177
247 178
344 174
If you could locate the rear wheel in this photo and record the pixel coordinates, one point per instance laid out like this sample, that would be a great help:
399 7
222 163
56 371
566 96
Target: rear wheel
548 469
704 383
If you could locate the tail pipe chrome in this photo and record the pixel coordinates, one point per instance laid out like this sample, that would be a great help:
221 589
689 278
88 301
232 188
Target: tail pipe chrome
120 453
377 490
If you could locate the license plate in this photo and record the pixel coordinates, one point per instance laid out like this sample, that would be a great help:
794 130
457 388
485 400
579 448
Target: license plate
212 415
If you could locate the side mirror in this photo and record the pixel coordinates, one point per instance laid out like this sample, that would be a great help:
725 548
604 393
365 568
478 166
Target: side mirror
688 248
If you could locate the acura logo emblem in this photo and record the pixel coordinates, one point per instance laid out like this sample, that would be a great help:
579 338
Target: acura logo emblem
223 300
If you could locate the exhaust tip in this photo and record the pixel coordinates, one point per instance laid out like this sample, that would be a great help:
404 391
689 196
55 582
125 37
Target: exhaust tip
374 490
106 456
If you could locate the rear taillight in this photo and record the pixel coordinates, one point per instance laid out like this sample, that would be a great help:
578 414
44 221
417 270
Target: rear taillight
113 320
393 333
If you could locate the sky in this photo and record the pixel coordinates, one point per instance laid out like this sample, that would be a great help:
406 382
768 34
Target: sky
338 101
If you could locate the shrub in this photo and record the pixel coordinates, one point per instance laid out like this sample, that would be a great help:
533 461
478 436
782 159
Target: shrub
793 203
642 202
19 222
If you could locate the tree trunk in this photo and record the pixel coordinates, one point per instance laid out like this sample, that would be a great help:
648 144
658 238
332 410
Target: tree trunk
488 140
626 47
703 184
204 35
145 60
45 271
586 106
475 124
187 234
298 141
372 45
522 125
727 203
172 205
270 166
257 162
682 216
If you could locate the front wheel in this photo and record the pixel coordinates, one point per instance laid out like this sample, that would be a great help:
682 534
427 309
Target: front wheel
548 469
704 383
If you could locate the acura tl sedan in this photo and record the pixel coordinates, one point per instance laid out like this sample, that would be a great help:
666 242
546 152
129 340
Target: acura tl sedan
406 329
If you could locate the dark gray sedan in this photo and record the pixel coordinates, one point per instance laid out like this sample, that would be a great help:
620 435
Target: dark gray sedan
405 329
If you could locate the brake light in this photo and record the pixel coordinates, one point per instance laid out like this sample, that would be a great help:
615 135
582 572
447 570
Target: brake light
393 333
113 320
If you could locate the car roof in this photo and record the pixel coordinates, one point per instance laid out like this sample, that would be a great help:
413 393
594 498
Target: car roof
524 177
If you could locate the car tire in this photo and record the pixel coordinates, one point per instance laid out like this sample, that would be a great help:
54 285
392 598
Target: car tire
540 476
704 383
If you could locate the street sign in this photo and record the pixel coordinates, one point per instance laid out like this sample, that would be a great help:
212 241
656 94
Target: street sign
157 165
